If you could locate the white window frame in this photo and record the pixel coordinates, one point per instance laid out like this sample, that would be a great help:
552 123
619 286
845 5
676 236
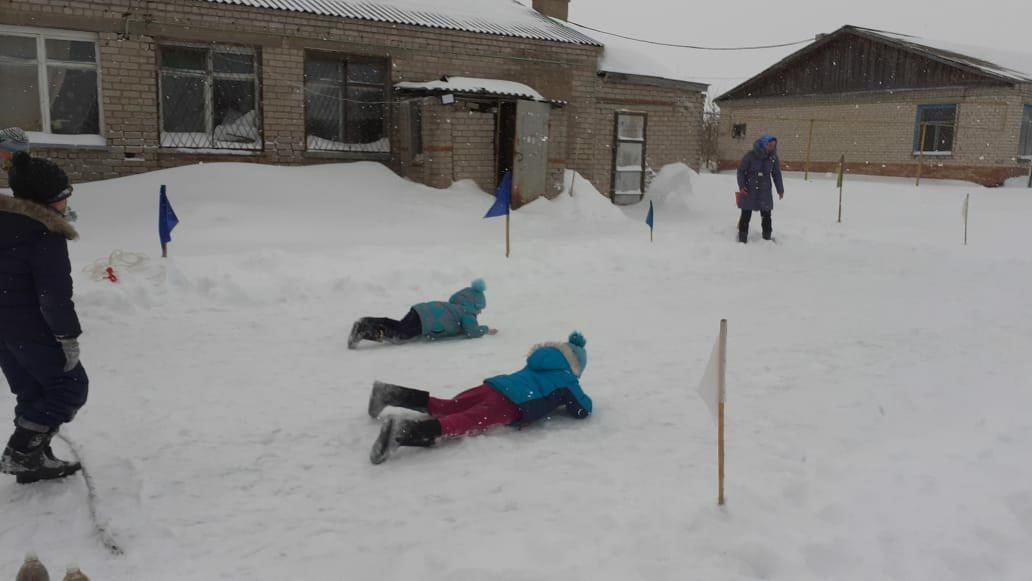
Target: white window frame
210 76
45 137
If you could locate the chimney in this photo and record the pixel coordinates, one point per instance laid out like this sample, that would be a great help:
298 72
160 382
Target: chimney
554 8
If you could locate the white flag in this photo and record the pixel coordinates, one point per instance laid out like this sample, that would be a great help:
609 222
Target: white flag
709 387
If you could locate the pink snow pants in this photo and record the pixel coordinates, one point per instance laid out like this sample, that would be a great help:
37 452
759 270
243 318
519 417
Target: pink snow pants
473 410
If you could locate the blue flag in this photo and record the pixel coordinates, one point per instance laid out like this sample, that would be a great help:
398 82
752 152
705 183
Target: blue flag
502 196
650 219
167 218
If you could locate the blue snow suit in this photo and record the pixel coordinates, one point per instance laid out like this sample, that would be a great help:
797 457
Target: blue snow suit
548 381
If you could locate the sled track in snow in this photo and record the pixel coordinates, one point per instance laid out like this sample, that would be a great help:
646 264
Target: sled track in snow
102 532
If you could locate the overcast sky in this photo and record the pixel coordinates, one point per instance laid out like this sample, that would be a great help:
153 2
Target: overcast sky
992 23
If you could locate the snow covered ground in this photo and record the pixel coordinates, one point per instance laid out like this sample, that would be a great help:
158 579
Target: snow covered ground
878 387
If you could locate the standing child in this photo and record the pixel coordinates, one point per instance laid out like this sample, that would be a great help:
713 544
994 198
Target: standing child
433 320
551 378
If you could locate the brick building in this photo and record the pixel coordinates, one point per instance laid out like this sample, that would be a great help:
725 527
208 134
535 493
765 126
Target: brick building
438 90
888 102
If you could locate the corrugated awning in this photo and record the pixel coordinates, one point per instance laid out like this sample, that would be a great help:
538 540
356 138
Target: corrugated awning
475 87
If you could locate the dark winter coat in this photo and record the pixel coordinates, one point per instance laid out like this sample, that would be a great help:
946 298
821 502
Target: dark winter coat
755 173
35 273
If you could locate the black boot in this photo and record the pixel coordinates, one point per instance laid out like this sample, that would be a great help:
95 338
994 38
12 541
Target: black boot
397 432
743 237
28 457
768 235
364 329
386 394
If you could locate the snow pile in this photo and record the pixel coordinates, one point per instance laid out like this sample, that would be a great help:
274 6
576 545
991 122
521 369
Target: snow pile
877 384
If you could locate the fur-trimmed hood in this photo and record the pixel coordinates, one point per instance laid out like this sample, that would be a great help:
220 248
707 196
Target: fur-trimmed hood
49 218
541 358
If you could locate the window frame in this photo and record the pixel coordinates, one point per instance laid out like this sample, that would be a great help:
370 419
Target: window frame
46 136
738 130
617 140
1025 133
210 76
343 61
918 148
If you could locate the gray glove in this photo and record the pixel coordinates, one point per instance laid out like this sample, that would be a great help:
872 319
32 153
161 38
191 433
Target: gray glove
71 352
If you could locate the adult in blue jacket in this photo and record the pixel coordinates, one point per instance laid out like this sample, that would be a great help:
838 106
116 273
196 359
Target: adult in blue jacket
433 320
549 380
758 168
39 329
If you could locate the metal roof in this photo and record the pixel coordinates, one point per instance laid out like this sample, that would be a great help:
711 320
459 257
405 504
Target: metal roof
496 17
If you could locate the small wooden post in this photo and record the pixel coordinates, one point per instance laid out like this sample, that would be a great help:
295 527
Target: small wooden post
1030 173
841 180
164 250
967 209
722 384
920 153
508 216
809 148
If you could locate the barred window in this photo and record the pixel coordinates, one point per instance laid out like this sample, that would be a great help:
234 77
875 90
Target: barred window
49 81
346 103
209 98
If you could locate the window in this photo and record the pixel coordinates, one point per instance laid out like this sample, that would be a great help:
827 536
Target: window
49 81
209 98
346 103
629 158
1026 133
738 131
939 123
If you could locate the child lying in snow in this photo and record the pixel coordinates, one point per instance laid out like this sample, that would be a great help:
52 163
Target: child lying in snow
433 320
549 380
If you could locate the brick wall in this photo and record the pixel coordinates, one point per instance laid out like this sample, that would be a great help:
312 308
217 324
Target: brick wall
580 135
876 132
673 135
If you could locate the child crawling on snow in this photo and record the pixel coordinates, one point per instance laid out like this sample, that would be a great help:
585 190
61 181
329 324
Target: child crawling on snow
433 320
551 378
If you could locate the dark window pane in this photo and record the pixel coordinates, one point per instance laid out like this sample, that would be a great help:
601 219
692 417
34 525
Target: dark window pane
235 116
182 104
73 101
944 139
236 63
365 118
323 113
18 47
939 115
71 50
19 96
1026 132
184 58
318 69
367 72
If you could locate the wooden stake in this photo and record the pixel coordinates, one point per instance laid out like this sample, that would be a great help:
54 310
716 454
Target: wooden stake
1030 173
920 153
164 250
967 209
841 183
809 147
722 384
507 217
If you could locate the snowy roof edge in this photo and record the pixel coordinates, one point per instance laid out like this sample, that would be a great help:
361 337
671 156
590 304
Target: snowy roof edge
529 25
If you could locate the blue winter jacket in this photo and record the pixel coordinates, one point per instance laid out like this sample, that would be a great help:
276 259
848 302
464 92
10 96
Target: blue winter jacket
547 382
755 173
35 273
441 319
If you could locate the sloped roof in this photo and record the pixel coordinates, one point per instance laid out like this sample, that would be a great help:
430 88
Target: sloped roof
1007 65
994 64
497 17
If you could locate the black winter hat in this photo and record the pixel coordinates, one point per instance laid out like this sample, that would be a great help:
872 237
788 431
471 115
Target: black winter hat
37 179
